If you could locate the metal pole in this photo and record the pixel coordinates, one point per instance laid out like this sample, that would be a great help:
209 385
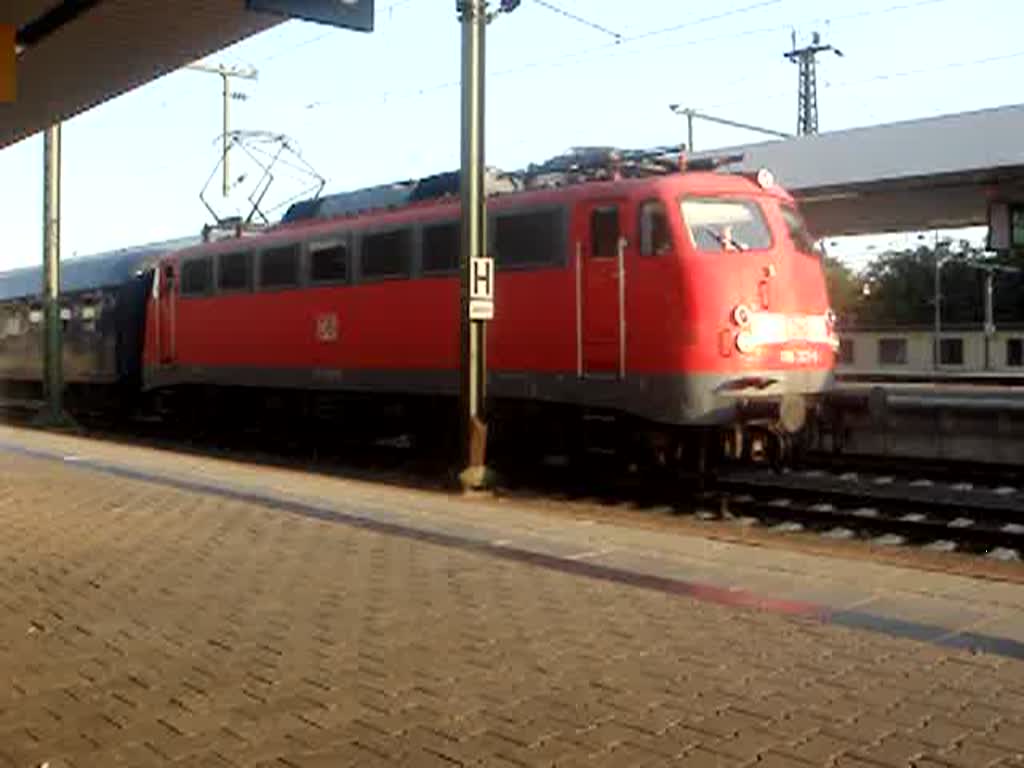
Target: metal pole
226 73
471 186
692 114
938 310
53 377
224 134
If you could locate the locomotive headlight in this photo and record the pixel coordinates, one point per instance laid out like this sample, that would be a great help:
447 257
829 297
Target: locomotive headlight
765 178
745 342
742 315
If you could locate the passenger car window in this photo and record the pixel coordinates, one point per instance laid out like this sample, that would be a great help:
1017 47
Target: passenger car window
328 262
234 271
725 224
797 228
196 276
279 267
654 234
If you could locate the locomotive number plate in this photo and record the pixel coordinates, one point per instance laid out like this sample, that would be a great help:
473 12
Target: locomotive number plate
800 356
327 327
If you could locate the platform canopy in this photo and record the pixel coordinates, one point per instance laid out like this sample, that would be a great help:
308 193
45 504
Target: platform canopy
76 54
935 173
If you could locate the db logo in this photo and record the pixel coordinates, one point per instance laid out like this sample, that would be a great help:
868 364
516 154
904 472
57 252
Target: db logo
327 327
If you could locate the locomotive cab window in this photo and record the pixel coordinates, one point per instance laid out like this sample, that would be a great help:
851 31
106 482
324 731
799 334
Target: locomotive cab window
798 232
279 267
531 238
655 238
719 225
604 233
329 262
234 271
387 254
196 276
441 247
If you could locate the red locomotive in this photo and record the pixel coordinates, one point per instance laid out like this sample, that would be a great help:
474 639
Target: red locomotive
682 313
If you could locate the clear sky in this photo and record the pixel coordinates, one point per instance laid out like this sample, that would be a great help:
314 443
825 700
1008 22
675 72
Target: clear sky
367 109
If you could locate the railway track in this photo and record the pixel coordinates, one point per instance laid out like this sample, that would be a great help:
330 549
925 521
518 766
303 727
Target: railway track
942 516
976 512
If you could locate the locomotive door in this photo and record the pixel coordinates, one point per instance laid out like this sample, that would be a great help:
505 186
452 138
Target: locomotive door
601 279
165 314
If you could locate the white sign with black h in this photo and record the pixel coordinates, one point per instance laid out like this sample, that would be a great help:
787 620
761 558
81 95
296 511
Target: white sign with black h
481 288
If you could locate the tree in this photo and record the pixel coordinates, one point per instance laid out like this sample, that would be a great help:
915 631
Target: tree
902 288
844 289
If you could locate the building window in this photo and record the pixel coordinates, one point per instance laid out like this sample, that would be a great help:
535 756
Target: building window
892 351
387 254
655 238
1015 352
234 271
524 239
846 351
951 351
328 262
279 267
196 276
441 245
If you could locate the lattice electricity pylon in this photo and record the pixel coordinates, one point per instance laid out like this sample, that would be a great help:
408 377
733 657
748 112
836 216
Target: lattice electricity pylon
806 59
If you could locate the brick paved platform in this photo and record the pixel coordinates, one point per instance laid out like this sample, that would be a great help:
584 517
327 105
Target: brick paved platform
146 624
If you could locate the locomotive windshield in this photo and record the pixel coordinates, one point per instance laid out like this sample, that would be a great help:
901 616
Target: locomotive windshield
717 224
798 231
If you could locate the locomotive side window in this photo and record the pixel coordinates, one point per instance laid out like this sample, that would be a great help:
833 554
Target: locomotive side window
441 247
655 239
722 224
328 262
196 276
604 233
387 254
234 271
279 267
529 239
797 228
